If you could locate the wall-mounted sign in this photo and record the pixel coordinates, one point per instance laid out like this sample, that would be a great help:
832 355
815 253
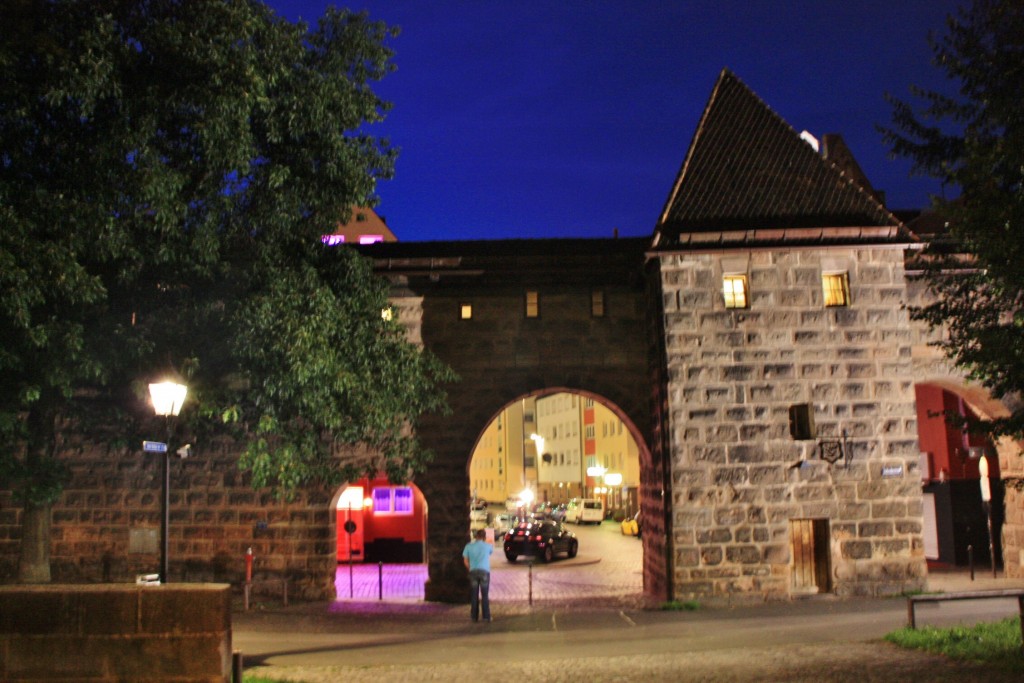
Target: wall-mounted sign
892 471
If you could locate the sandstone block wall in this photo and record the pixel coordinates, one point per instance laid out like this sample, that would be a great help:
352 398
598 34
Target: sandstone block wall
738 479
115 633
106 524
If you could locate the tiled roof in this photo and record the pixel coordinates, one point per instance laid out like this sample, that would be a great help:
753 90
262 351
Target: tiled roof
750 179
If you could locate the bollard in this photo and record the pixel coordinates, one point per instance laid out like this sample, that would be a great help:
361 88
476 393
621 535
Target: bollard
970 560
530 583
248 577
236 666
380 580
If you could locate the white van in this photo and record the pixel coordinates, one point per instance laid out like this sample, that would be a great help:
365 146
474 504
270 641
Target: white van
585 510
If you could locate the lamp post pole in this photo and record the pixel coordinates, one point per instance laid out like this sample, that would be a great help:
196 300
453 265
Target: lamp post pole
167 399
165 518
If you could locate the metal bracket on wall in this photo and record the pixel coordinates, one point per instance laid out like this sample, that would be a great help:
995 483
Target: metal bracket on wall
834 450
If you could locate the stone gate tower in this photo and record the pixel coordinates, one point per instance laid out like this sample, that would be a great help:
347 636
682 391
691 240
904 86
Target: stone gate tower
789 398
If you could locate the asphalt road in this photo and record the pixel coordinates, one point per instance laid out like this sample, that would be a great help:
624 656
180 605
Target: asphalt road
808 640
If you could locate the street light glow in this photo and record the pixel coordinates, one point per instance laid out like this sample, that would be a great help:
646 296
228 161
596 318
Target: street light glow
167 398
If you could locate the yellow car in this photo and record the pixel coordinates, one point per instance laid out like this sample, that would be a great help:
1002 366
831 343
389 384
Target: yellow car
631 526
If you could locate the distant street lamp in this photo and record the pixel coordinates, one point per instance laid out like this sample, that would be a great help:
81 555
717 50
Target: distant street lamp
167 399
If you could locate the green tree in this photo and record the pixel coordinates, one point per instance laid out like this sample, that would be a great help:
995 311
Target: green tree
166 171
973 141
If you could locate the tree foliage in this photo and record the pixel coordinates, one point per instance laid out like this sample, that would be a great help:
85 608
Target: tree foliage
166 171
973 141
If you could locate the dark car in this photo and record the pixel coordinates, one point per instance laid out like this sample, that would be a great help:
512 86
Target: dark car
541 538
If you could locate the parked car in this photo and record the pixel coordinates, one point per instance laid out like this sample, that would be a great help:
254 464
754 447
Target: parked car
631 525
585 510
479 517
502 522
542 538
558 513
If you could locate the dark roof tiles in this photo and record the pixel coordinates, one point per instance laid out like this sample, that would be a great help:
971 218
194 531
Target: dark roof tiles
748 172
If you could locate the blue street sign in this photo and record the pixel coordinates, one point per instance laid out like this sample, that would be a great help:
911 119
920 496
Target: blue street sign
154 447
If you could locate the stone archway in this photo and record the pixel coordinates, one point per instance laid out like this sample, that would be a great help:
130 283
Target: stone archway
593 432
1008 453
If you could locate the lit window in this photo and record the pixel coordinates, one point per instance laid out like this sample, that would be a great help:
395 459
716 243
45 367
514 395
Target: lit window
331 240
386 314
532 304
734 288
465 311
597 303
836 288
392 500
370 239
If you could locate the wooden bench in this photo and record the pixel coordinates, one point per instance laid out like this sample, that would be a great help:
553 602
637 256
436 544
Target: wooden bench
1018 593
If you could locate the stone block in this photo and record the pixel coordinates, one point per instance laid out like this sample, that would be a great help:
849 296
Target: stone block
743 554
855 550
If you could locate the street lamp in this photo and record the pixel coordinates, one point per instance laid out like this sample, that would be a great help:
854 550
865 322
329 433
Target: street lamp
167 399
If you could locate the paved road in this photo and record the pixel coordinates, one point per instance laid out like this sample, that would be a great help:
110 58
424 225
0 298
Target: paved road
585 625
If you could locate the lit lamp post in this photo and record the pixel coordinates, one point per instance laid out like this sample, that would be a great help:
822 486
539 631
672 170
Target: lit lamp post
167 399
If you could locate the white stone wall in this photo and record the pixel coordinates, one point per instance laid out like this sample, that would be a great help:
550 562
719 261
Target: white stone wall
733 374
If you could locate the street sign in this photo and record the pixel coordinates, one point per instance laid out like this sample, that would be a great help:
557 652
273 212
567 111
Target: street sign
154 447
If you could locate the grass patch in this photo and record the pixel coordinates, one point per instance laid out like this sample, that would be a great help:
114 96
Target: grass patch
677 606
997 644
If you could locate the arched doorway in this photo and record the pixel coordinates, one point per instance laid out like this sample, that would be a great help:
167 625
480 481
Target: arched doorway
379 521
963 499
542 456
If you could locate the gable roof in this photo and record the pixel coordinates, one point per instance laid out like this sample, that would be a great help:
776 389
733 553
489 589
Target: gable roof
750 179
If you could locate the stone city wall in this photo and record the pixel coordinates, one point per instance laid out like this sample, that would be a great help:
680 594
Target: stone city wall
106 523
739 480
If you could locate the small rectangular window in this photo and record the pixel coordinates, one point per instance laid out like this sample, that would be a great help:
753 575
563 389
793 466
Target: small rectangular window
836 289
597 303
393 500
734 289
465 311
532 304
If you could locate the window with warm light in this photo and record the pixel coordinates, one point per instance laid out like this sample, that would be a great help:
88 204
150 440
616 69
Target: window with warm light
392 500
597 303
532 304
465 311
387 314
734 289
836 289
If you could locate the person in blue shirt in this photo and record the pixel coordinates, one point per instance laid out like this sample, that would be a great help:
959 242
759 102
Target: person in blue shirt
477 558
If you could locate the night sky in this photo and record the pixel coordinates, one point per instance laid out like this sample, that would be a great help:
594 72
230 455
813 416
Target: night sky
566 118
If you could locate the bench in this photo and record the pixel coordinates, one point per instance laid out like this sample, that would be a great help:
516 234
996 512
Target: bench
913 600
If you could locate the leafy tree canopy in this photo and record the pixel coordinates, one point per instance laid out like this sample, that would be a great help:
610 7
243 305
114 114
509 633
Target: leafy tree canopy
166 171
973 141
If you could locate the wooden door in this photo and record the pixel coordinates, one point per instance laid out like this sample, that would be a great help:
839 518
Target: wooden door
809 545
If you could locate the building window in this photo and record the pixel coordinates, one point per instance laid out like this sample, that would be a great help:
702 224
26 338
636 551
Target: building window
734 289
532 304
597 303
836 288
392 500
465 311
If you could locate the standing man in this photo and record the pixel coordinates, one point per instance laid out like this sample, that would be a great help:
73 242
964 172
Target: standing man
477 558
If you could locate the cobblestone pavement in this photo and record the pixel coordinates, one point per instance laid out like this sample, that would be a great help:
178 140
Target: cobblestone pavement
608 567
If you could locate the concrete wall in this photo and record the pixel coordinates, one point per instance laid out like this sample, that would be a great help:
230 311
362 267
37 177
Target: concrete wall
114 633
738 478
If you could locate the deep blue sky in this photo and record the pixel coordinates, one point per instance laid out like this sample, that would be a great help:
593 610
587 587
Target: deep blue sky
568 118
